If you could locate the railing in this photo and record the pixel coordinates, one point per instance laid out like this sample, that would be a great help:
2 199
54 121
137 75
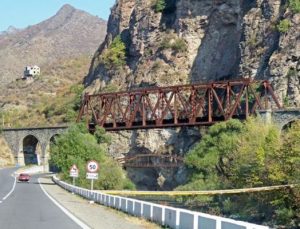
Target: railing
167 216
151 161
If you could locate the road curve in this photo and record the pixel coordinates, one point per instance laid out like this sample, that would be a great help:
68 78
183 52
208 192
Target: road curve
28 207
6 182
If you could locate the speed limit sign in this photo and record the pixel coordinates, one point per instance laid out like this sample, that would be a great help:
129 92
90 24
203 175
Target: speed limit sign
92 166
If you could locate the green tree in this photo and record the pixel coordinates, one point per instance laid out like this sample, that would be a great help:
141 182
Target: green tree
114 56
249 154
212 158
290 157
234 155
254 163
78 146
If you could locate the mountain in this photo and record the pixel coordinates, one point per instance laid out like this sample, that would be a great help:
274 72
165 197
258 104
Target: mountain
10 30
170 42
69 33
182 41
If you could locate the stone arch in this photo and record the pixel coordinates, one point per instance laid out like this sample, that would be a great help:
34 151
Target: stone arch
31 149
288 123
51 167
283 118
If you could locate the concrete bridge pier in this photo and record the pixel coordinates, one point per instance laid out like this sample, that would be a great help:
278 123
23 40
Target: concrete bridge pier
45 163
266 115
19 158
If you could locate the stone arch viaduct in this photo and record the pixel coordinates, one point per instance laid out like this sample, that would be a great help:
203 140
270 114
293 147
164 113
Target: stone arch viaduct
15 138
282 117
43 135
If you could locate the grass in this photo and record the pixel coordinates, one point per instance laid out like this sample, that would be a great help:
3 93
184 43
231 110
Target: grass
6 155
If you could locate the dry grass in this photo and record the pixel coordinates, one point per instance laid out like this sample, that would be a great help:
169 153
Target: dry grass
139 221
6 156
44 101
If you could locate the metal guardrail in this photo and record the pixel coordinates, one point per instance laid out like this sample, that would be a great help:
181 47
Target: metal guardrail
167 216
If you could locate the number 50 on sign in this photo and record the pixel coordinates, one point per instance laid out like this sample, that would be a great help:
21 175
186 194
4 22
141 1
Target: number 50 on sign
92 166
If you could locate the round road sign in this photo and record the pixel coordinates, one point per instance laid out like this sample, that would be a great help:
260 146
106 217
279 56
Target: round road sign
92 166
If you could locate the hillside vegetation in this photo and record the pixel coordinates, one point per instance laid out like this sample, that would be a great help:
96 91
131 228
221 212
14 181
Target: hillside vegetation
52 98
78 146
244 155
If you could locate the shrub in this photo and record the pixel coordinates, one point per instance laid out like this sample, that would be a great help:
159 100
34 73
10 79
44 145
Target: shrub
284 26
157 65
110 88
175 43
295 6
114 56
159 6
77 146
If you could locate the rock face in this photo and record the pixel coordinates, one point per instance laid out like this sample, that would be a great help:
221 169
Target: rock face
166 142
6 156
67 34
198 41
269 54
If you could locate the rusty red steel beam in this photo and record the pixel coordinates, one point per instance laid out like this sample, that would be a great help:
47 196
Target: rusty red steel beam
158 165
145 161
175 106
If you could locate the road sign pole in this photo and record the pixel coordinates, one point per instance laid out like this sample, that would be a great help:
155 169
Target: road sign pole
73 181
92 184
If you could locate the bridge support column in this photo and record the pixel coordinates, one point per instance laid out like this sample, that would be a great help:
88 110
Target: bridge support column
45 163
19 159
266 115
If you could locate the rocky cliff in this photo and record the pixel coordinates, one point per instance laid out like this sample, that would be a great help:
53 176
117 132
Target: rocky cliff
171 42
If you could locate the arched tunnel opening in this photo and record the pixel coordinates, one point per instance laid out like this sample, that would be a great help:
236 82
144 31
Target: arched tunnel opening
31 150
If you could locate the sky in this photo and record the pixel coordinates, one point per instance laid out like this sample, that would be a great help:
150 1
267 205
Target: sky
22 13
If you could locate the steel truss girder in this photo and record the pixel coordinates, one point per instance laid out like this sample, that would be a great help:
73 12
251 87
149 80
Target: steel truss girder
175 106
152 161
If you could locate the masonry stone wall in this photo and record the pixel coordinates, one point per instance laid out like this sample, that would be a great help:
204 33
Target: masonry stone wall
281 117
15 137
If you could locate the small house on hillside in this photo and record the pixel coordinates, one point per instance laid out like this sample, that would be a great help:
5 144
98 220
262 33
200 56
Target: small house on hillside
31 71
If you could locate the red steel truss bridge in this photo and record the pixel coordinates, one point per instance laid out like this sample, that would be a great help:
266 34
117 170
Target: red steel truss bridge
177 106
151 161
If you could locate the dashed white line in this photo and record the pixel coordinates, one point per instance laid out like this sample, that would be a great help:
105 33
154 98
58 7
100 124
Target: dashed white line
74 218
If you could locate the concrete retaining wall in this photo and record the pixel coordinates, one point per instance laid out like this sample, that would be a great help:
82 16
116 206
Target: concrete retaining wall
167 216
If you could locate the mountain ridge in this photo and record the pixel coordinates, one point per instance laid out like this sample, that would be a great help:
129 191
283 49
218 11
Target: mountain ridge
68 33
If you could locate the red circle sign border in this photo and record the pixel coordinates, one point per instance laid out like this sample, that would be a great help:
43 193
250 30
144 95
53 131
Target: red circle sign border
73 166
87 167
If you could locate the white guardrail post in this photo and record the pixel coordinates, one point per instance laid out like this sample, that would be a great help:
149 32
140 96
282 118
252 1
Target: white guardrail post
166 216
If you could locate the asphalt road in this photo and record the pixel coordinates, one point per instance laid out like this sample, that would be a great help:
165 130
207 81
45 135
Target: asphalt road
28 207
6 182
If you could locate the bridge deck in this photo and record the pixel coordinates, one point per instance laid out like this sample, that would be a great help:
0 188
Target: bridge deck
176 106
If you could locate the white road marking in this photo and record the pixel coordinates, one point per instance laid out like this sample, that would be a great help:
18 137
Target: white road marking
11 191
74 218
